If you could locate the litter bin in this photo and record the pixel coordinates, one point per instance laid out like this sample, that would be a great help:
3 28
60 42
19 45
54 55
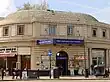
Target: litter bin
56 73
86 73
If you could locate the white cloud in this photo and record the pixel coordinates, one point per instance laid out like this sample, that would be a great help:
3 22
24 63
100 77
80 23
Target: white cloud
36 1
77 4
103 15
6 7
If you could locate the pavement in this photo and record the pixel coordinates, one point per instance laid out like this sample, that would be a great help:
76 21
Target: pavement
9 78
62 81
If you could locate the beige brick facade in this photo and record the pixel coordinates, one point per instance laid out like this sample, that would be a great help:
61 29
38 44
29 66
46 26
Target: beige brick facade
36 28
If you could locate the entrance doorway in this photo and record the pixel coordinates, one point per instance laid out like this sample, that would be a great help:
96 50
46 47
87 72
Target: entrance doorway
62 62
25 61
11 62
8 62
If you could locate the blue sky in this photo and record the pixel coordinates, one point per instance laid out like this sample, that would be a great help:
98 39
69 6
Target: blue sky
100 9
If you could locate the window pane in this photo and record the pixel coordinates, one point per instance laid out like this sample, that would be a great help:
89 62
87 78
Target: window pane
5 31
104 33
52 29
69 29
94 32
100 60
20 29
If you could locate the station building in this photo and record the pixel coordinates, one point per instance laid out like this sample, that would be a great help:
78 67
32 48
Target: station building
75 39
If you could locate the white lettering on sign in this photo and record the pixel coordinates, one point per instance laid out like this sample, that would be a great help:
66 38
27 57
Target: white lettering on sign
7 50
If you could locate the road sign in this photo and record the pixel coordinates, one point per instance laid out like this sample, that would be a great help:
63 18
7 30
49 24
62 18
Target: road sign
49 52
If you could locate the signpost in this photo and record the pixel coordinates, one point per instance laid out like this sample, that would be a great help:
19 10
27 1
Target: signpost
49 54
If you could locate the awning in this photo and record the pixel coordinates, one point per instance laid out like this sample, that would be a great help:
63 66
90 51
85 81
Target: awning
81 58
7 55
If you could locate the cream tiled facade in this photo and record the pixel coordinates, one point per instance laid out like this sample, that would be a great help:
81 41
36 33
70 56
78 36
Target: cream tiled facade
36 25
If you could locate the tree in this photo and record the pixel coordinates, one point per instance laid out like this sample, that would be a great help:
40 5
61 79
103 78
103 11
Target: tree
28 6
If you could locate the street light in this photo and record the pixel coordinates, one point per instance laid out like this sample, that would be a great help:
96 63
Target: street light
108 61
50 54
86 70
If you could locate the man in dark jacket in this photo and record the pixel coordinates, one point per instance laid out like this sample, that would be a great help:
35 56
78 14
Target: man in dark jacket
2 73
17 73
20 74
92 69
13 73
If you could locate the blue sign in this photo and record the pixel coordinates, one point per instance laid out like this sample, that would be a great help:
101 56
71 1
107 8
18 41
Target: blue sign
61 58
45 41
49 52
67 41
60 41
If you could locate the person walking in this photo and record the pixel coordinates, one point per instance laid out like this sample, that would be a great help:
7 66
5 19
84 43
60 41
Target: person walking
20 74
17 73
61 70
13 73
3 72
92 69
38 74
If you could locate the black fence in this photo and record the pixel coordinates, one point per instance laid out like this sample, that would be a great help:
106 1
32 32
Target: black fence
37 73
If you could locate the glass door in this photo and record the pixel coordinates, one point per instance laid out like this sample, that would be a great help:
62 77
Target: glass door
98 60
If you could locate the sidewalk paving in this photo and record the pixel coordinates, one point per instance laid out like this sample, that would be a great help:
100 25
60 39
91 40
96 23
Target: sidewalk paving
9 78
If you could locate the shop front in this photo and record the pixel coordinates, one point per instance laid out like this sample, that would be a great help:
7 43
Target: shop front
24 58
98 56
8 57
62 54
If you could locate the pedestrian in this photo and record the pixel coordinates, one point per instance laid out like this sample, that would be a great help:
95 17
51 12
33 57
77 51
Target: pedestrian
92 69
20 74
61 70
106 73
17 73
13 73
38 74
2 73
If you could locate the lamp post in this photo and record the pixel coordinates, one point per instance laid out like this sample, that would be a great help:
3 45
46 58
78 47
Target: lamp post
84 55
50 54
108 61
50 66
86 70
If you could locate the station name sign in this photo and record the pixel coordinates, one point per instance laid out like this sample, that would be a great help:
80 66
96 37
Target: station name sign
44 42
68 41
60 41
